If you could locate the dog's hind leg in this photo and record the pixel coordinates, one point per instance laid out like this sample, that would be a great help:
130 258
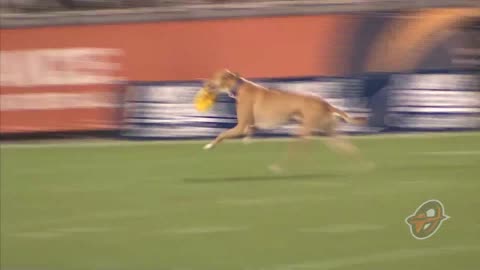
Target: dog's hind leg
343 146
295 150
337 143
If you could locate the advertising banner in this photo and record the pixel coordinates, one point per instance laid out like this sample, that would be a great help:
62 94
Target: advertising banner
166 110
392 102
431 102
68 89
78 109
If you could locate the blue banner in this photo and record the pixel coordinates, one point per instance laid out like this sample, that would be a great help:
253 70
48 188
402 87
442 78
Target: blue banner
392 102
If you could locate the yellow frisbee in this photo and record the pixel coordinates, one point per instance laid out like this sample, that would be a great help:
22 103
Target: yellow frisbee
204 100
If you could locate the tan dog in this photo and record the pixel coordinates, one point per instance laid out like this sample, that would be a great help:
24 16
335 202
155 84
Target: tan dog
265 108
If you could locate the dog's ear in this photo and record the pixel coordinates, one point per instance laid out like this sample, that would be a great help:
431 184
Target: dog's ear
228 71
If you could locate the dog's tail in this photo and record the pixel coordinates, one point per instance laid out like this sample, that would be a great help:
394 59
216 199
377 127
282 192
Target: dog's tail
347 118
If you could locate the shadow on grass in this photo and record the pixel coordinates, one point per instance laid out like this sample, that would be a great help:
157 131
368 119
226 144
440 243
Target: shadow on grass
272 177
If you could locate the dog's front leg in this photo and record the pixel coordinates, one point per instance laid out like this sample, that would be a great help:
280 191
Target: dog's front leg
237 131
244 119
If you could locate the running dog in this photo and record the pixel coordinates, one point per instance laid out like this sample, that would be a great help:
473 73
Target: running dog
267 108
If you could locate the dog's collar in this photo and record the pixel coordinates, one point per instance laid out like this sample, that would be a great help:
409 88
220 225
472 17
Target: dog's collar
233 92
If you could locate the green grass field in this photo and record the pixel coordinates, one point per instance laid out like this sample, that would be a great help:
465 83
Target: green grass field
156 206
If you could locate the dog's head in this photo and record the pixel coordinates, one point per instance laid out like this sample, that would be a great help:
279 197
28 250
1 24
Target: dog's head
222 81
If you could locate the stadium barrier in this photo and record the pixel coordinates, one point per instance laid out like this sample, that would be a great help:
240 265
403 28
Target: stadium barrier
399 102
67 78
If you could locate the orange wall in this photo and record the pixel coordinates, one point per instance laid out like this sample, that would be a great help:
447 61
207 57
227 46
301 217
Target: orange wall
163 51
258 47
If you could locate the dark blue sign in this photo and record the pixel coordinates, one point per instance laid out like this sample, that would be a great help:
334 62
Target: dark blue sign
392 102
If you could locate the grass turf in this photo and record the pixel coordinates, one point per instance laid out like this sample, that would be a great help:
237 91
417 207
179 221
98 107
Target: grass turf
174 206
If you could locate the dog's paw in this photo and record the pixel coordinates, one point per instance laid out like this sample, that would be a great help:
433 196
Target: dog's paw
208 146
247 140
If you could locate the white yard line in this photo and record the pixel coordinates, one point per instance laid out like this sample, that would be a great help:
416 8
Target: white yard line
271 201
343 228
110 215
205 230
125 142
453 153
83 229
324 184
60 232
395 255
39 235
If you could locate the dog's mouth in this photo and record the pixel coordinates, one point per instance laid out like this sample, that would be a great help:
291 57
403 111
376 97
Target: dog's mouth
211 88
